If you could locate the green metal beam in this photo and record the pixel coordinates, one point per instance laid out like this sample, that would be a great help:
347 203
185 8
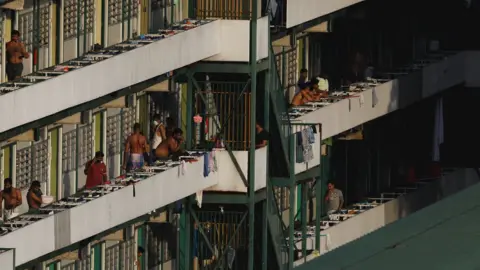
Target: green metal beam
308 174
80 108
231 198
186 239
224 67
253 133
280 181
190 102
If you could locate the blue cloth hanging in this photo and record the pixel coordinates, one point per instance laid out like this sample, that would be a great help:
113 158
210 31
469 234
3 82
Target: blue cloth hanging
195 242
299 154
299 138
206 168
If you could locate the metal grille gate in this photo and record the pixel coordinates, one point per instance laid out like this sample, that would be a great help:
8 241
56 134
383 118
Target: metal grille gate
114 138
85 264
32 164
26 26
69 151
127 255
85 151
129 116
24 167
158 250
226 234
112 257
119 10
290 67
79 15
41 161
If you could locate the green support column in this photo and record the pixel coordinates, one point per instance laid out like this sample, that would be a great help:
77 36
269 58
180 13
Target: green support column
266 125
185 257
141 243
251 152
97 257
304 198
320 187
189 124
291 210
191 9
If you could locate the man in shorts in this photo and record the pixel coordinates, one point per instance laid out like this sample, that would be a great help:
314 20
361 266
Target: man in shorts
15 54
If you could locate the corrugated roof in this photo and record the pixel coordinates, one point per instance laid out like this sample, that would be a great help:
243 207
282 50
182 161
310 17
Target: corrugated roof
443 236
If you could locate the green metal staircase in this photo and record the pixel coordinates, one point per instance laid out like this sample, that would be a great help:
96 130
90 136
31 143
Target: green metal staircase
280 169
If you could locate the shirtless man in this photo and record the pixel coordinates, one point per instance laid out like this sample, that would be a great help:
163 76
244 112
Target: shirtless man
318 93
12 198
15 54
171 146
34 197
302 97
135 147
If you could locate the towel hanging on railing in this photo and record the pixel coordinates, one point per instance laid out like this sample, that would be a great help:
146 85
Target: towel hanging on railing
361 100
374 98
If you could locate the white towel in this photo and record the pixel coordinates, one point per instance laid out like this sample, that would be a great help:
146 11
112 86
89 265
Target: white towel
182 168
374 98
438 134
199 198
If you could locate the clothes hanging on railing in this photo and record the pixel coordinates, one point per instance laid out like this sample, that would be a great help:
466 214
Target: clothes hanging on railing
210 163
199 198
182 169
206 162
304 149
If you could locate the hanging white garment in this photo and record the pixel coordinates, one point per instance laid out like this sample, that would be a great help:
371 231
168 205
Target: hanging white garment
438 136
157 140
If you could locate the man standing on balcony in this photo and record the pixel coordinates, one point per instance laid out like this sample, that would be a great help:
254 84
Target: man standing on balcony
12 198
262 137
135 147
96 171
34 197
171 147
15 54
334 199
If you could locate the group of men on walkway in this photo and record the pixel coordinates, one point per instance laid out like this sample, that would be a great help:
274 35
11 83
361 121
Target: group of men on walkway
166 144
11 198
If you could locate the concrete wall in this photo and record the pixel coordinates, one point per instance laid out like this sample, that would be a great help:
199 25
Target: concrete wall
7 259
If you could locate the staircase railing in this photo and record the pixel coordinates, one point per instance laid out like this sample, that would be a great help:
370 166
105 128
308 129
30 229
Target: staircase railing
279 110
279 162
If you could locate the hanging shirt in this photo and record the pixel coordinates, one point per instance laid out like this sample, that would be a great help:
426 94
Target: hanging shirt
157 139
95 175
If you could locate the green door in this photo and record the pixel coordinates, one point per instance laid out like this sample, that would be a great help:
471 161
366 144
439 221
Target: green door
99 131
97 257
54 146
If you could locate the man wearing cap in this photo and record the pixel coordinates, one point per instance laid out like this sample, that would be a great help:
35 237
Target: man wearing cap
96 171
